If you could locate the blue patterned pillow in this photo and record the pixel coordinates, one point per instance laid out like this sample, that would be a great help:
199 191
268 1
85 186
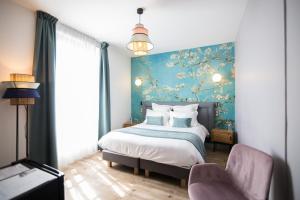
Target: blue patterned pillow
152 120
182 122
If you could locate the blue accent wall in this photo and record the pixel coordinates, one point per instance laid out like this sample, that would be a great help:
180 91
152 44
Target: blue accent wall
186 75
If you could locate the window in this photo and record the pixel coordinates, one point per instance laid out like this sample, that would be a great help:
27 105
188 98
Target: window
77 94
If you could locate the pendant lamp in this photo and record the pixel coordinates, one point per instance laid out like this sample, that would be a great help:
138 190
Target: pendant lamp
140 43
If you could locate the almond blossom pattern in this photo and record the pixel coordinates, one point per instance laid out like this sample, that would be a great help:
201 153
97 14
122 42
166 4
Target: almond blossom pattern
186 75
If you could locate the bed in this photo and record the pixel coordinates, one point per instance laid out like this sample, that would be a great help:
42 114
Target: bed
168 156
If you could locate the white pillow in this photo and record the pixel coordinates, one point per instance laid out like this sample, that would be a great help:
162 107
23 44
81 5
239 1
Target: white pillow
152 113
187 108
192 115
161 108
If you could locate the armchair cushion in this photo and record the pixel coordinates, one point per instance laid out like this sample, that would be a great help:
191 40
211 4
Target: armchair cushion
207 173
214 191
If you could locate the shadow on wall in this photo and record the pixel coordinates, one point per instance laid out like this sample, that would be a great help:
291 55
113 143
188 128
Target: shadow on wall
2 90
290 183
281 177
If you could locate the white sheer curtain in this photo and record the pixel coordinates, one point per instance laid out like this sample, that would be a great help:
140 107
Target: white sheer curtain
77 94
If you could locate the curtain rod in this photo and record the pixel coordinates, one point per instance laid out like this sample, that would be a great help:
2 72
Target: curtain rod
79 33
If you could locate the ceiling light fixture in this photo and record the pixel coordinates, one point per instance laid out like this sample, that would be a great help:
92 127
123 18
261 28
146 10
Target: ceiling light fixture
140 43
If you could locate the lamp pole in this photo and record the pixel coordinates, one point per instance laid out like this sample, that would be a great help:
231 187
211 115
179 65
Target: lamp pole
17 133
27 133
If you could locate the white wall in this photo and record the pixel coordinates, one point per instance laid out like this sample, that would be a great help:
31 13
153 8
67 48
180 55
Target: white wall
17 27
120 88
260 83
293 94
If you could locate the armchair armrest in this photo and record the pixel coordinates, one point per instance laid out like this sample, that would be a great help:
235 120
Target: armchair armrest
208 172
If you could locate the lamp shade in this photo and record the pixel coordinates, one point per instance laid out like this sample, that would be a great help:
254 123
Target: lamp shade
217 78
11 93
20 84
138 82
140 43
22 77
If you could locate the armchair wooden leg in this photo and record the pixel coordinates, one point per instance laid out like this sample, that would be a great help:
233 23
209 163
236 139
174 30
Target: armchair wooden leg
135 171
109 163
147 173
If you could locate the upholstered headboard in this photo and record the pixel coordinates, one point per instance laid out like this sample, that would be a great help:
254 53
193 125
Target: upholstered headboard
206 111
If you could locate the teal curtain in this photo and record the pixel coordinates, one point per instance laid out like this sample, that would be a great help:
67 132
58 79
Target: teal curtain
42 143
104 93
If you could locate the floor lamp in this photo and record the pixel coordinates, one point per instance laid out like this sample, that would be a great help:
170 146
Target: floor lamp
21 90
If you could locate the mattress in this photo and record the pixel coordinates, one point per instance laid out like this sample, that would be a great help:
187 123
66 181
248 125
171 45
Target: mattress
176 152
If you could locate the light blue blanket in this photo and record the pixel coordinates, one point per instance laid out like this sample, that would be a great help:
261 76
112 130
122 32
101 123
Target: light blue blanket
190 137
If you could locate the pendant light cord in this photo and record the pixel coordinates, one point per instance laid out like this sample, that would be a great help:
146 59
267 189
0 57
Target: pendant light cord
140 12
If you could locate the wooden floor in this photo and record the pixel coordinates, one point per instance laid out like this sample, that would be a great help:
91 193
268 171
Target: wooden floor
91 179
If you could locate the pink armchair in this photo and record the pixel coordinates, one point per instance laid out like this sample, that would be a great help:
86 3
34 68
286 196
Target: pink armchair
247 176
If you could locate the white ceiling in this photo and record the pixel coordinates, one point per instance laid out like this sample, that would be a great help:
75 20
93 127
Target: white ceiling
173 24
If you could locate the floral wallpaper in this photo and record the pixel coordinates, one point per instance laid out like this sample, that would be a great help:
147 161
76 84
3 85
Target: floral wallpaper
186 75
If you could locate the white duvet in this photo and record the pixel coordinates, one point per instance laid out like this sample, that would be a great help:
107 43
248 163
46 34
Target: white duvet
176 152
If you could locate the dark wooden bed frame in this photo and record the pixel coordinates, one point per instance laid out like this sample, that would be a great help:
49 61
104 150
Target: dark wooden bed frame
206 117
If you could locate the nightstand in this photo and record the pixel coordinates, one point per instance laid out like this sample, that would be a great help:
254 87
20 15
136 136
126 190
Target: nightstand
128 124
222 136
